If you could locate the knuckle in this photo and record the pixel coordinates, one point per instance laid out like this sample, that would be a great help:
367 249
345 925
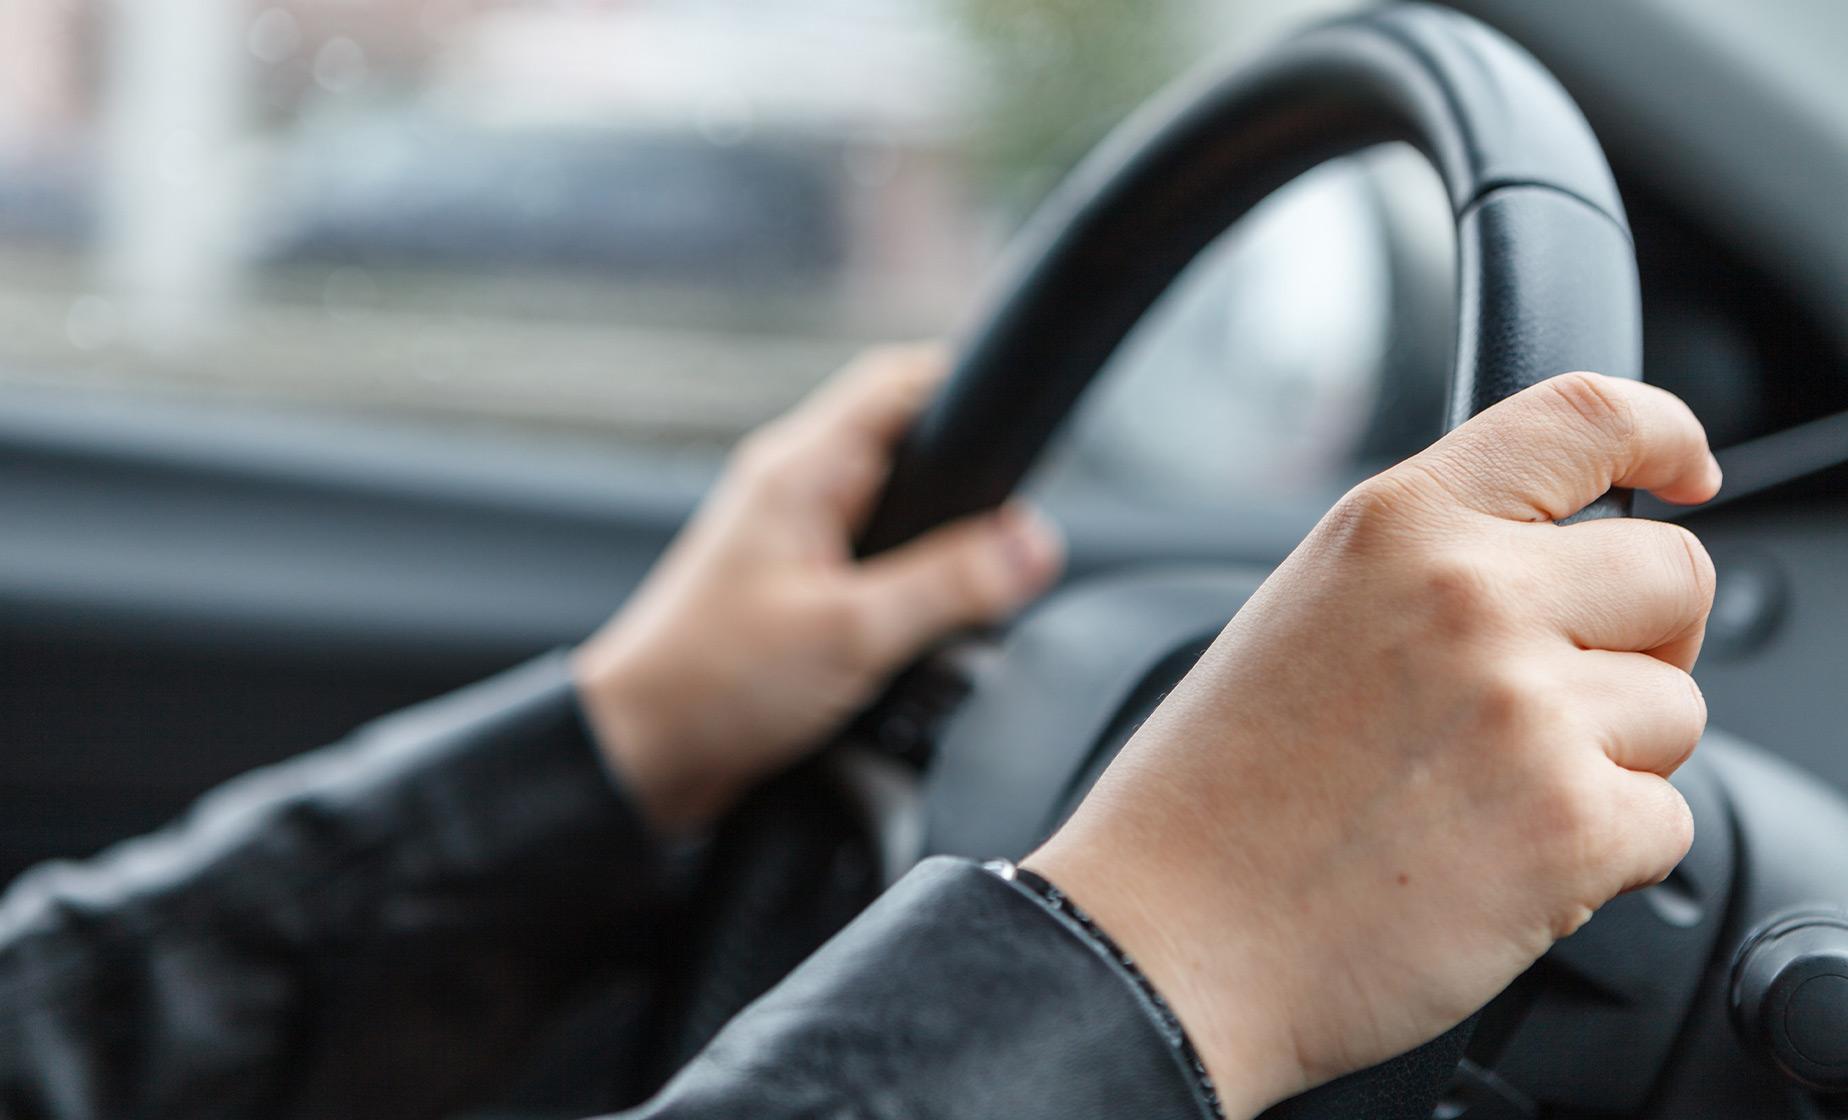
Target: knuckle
1509 703
761 460
894 366
1594 401
1699 565
1699 705
1681 756
1678 571
1458 593
976 582
1456 583
1570 823
755 451
1373 512
853 475
1678 829
1690 723
1671 834
886 355
1570 919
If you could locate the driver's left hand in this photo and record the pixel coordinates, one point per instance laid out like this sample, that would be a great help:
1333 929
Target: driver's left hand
758 633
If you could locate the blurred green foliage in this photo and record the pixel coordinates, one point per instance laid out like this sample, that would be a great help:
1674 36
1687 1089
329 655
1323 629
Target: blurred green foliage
1058 74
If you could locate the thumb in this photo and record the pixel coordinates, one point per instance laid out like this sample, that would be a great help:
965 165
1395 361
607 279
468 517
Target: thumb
972 571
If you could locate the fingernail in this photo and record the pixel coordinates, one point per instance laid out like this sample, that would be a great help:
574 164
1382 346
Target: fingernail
1033 543
1713 467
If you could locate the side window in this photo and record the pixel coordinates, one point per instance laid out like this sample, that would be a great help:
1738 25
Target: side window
656 221
1309 344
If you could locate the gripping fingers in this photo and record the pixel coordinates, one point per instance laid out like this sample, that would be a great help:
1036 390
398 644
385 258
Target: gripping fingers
1655 829
1549 450
830 455
968 573
1648 715
877 396
1641 586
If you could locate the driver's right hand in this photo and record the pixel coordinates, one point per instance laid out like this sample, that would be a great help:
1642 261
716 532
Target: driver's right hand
1433 743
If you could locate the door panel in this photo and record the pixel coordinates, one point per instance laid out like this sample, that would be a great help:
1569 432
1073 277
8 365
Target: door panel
188 593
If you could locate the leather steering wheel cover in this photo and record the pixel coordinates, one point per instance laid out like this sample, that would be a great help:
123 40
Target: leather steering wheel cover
1547 275
1546 282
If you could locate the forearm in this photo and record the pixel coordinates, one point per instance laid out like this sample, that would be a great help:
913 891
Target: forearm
956 995
400 908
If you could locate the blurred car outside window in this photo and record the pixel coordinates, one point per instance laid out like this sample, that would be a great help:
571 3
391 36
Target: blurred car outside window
650 221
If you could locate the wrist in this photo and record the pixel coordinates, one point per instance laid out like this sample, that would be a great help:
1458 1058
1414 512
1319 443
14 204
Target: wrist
1219 987
634 722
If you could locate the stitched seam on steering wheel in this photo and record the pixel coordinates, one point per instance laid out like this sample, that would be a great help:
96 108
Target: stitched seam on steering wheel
1497 186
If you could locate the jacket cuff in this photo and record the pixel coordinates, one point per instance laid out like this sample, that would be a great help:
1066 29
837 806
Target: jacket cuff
502 781
494 788
955 995
1085 928
502 773
521 774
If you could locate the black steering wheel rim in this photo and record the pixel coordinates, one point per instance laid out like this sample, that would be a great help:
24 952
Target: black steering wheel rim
1547 282
1546 268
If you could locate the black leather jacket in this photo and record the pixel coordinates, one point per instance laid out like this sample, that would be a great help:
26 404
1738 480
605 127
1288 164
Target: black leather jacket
381 929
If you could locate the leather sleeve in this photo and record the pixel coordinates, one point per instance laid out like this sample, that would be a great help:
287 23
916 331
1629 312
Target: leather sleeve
955 996
373 930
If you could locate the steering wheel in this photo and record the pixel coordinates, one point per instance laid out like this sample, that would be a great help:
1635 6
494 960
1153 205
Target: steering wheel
1547 284
1653 1007
1547 273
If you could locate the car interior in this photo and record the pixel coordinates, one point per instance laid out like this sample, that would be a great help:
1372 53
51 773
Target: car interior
195 583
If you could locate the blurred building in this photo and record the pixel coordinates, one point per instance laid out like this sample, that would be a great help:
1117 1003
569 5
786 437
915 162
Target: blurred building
279 195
